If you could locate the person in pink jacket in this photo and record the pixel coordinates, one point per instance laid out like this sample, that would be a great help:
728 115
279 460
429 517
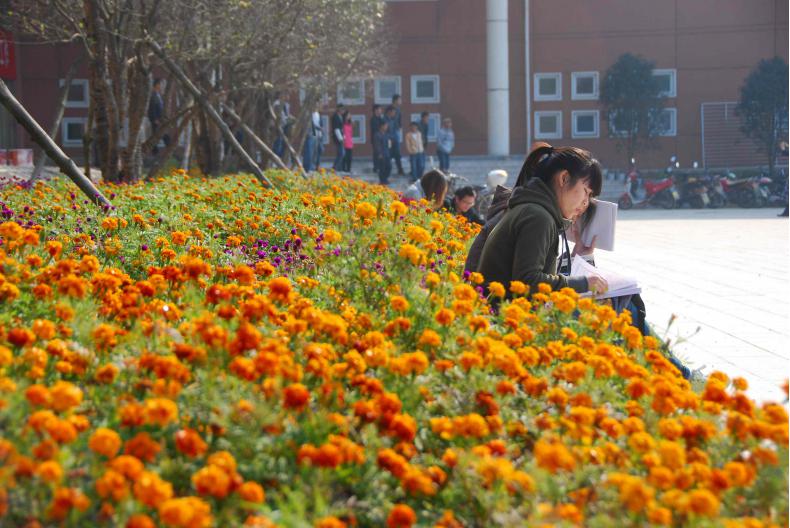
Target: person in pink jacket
348 141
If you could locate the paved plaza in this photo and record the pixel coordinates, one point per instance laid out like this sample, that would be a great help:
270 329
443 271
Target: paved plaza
724 275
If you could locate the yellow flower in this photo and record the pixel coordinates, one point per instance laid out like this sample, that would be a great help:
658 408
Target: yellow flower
366 210
496 289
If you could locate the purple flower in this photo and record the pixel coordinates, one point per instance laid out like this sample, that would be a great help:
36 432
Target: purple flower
145 247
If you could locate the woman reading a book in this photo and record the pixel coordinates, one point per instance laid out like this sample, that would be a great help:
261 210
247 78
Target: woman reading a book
556 185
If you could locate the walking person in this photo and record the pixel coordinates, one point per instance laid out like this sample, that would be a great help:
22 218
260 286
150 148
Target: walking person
337 136
381 148
396 132
445 143
375 122
282 123
348 141
424 127
414 146
312 142
156 110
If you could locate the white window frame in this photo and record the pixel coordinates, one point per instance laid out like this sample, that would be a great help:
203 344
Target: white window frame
349 101
673 123
64 127
546 113
536 78
325 129
575 132
425 100
377 97
361 119
584 97
431 116
673 81
84 83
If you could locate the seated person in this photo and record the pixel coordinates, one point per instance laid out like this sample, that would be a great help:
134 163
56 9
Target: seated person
463 204
432 187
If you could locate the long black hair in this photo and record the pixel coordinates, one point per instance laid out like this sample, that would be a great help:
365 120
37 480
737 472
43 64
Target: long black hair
545 161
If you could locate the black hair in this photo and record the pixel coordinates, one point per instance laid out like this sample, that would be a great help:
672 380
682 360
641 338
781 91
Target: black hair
434 184
395 97
376 107
423 114
157 81
383 123
465 191
414 123
340 105
545 161
389 109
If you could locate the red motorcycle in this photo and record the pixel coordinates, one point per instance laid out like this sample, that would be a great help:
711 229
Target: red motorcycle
746 192
661 192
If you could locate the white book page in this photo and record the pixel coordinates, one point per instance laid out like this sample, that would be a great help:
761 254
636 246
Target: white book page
618 284
601 226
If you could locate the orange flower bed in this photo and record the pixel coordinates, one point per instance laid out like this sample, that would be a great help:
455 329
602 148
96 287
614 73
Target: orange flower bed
213 353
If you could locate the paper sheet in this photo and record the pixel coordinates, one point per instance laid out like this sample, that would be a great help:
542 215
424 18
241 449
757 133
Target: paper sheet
602 226
619 285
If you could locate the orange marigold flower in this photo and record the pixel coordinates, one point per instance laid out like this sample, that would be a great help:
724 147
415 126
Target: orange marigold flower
401 516
188 442
65 395
223 460
518 288
128 466
296 396
404 427
50 471
212 480
330 522
553 456
112 484
151 490
142 446
105 442
366 210
38 395
160 411
251 492
106 373
496 289
280 289
185 512
703 502
140 520
445 316
399 303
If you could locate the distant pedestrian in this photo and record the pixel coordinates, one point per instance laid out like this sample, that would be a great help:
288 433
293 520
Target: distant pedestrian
382 148
396 132
414 146
282 122
424 127
348 141
445 143
375 121
156 111
311 154
337 136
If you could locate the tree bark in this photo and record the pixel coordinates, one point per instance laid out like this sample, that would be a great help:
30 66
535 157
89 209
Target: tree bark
258 141
53 132
200 98
54 152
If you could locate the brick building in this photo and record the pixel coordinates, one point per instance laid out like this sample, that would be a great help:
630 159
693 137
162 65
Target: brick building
511 72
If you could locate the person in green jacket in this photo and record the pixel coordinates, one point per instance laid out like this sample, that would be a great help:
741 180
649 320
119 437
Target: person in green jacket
556 185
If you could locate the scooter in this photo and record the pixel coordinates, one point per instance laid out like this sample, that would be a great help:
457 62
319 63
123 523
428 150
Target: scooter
745 192
718 198
693 191
661 192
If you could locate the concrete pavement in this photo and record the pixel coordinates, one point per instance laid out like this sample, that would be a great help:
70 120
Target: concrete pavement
724 275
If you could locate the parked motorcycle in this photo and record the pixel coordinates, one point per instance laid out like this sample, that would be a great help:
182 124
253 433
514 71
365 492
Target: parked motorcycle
693 191
661 192
718 198
746 192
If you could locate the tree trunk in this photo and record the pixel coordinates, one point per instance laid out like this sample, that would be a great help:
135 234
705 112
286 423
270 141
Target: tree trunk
38 135
98 88
53 132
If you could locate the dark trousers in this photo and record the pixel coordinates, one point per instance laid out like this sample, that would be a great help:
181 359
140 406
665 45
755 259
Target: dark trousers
347 157
384 169
340 152
395 153
444 160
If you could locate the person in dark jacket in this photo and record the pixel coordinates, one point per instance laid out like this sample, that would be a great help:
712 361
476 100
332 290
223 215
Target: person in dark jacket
375 122
496 211
381 150
337 137
463 204
156 110
556 185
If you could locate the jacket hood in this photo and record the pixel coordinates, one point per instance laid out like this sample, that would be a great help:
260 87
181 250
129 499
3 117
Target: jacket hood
499 201
537 192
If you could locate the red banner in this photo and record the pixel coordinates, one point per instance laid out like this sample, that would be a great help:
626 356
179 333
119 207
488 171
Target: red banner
7 62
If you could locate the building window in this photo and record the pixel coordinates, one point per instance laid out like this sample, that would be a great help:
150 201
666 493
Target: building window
325 129
351 92
585 123
548 87
434 122
584 86
424 89
358 125
72 131
385 88
668 122
668 81
548 125
79 93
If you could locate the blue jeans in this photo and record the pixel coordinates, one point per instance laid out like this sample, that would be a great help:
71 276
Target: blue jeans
444 160
384 170
417 164
308 153
339 155
279 146
395 152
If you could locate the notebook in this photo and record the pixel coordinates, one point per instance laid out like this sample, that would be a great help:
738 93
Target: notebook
619 285
601 226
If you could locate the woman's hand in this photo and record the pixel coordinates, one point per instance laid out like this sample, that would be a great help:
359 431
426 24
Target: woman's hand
596 284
